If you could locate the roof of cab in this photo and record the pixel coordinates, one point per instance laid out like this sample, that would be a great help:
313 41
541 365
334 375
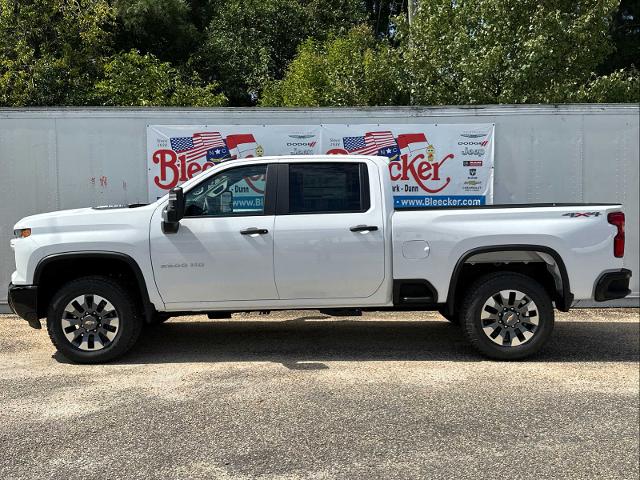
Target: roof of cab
306 158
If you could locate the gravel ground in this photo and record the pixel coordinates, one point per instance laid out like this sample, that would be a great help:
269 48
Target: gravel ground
300 395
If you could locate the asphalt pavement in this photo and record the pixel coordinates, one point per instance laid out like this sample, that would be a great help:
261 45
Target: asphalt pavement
300 395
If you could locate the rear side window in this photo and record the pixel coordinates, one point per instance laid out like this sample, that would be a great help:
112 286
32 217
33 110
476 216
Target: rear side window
328 188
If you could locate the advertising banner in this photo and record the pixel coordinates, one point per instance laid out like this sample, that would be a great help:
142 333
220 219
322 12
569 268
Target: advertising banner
430 165
177 153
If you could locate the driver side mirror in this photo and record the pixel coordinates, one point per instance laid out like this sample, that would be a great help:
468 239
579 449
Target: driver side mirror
174 211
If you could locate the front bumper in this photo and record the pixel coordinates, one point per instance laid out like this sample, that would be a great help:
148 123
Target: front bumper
23 300
612 285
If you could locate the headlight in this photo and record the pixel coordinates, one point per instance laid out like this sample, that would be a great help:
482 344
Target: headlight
22 232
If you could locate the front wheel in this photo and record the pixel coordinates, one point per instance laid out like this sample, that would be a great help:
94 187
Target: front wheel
93 320
507 316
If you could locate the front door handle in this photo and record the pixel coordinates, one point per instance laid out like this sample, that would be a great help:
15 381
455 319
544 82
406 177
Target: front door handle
364 228
254 231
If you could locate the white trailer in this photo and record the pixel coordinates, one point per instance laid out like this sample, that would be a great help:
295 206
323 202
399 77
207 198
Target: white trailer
53 158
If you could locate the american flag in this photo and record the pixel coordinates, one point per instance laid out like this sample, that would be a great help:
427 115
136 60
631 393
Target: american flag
369 144
197 145
360 145
382 139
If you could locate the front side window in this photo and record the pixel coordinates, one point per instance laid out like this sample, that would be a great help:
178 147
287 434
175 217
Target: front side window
237 191
326 188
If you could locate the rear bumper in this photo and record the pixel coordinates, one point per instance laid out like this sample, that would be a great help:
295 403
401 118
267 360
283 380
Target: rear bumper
23 300
612 285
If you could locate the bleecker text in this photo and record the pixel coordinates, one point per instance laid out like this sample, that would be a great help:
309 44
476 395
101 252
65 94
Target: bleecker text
420 170
175 169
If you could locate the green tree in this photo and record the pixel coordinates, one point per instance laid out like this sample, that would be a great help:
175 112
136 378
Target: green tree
354 69
132 79
251 41
381 14
164 28
509 51
51 51
313 52
621 86
625 34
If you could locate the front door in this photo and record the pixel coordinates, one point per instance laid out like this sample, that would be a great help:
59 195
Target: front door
223 250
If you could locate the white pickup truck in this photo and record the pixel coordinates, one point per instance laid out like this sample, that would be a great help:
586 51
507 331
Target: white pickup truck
311 233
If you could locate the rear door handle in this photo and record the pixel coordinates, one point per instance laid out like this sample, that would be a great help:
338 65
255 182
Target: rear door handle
364 228
254 231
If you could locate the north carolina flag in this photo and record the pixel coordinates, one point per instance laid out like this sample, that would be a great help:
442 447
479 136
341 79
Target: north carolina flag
391 152
242 145
413 144
218 153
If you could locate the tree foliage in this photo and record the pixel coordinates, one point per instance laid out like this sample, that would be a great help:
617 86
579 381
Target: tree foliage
354 69
51 51
63 52
164 28
467 52
317 52
131 79
506 51
251 41
620 86
624 31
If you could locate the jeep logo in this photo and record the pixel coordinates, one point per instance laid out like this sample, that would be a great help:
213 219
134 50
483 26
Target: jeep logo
473 151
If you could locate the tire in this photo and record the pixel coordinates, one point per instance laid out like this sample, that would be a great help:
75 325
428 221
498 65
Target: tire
454 319
93 331
511 332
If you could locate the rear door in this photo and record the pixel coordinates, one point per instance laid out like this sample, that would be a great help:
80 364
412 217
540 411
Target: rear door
329 234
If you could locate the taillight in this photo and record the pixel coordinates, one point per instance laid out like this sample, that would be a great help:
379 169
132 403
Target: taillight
617 219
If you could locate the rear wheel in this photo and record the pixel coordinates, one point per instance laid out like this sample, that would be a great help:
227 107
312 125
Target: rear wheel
507 316
93 320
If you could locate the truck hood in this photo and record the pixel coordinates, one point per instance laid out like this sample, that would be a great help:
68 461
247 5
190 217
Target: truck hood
109 214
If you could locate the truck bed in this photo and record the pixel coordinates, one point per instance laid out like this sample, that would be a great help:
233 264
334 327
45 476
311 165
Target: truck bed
577 233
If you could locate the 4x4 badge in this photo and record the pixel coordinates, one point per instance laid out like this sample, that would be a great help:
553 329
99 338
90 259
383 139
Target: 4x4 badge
581 214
